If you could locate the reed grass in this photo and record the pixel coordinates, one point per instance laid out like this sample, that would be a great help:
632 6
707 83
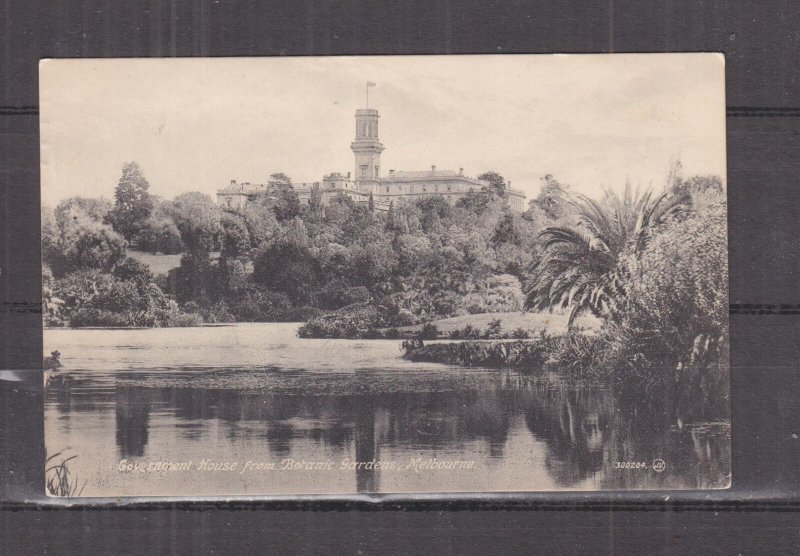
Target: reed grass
60 480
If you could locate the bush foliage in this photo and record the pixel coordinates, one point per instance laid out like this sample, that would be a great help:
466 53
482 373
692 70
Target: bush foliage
653 266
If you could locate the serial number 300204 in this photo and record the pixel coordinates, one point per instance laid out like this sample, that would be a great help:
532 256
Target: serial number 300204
630 465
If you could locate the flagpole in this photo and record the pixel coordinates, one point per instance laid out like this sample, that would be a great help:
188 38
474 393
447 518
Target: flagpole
367 94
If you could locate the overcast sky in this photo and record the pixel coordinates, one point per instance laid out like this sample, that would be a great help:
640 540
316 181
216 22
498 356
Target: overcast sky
195 124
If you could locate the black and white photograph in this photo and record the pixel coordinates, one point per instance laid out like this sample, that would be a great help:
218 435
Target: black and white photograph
384 274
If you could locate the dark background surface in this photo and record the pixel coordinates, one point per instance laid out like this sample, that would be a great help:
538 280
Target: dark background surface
761 42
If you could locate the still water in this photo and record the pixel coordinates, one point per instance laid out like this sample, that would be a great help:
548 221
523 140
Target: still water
209 396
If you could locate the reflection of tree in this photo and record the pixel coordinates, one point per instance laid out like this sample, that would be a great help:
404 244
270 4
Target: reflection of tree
584 430
279 436
366 449
366 421
644 429
133 419
573 424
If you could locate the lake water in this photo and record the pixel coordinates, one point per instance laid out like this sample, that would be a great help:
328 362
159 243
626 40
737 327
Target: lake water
256 393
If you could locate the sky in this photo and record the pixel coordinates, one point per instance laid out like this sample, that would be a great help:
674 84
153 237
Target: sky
193 124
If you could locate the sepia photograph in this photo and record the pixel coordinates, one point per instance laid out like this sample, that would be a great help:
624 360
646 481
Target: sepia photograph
376 275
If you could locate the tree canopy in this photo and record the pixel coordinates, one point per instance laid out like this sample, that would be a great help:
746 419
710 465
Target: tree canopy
133 203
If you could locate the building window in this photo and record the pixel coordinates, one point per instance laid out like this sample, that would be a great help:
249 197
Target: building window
387 189
377 170
363 171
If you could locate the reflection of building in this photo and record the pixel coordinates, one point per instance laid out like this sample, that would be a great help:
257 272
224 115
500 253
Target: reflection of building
367 181
574 427
133 420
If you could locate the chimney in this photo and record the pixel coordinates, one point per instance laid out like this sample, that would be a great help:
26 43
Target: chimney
460 171
233 182
433 168
391 172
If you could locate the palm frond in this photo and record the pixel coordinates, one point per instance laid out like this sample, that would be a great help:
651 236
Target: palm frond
580 266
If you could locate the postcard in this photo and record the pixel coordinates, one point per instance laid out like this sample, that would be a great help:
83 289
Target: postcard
375 275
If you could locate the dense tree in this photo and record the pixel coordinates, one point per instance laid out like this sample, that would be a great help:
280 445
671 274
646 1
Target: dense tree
159 233
197 218
95 209
235 241
262 226
698 187
133 202
95 298
288 267
77 238
315 208
194 279
677 285
497 183
131 270
506 230
580 267
435 212
284 201
425 258
476 202
553 198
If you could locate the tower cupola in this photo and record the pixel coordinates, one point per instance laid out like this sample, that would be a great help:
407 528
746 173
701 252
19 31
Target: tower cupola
367 147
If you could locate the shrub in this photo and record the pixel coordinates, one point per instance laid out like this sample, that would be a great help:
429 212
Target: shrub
219 312
500 293
520 334
159 234
493 330
90 316
676 291
372 333
349 322
255 304
575 355
469 332
338 293
184 320
428 332
527 355
392 334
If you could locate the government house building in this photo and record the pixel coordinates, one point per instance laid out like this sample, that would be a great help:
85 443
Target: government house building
368 181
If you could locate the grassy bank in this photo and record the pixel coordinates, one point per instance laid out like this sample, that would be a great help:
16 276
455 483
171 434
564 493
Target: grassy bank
570 352
531 322
363 321
696 386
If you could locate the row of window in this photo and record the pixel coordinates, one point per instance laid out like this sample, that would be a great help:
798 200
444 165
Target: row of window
425 188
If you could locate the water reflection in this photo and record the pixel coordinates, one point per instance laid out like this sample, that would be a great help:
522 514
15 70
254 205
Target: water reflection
583 431
524 433
133 420
574 425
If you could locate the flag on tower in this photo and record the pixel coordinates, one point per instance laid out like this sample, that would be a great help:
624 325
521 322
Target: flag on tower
369 84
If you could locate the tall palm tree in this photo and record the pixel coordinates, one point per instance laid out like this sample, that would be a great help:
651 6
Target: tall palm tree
580 269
